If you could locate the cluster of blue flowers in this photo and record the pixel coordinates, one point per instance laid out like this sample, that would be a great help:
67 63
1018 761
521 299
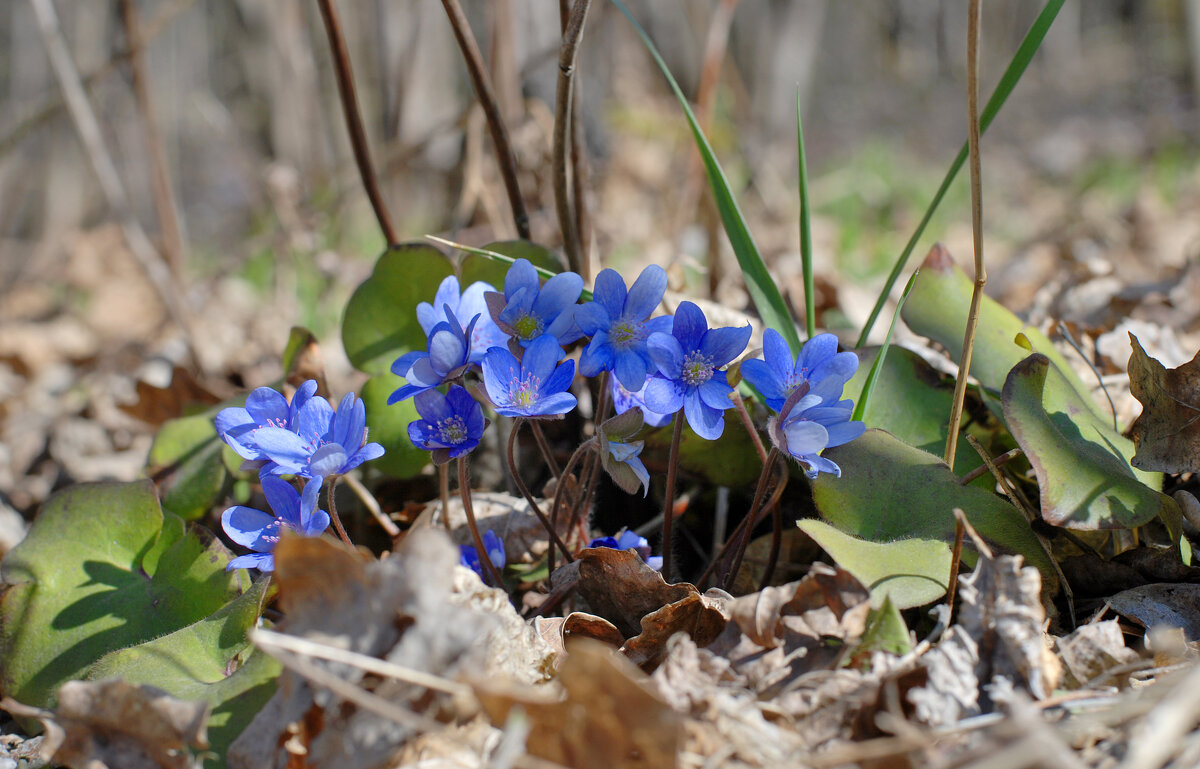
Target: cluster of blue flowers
306 439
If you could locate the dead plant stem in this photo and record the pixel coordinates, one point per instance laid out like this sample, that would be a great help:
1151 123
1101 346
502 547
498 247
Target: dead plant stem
567 55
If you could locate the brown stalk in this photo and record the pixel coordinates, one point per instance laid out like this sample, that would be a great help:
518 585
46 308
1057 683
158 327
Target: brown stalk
567 55
964 364
354 124
487 100
580 169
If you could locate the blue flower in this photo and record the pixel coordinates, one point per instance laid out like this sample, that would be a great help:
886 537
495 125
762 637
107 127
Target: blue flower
264 408
325 443
260 531
530 309
534 386
450 425
448 355
619 323
778 375
629 540
689 374
815 422
469 556
624 400
467 305
619 455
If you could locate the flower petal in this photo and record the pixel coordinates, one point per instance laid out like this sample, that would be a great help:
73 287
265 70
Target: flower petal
542 355
521 275
722 345
844 432
704 420
763 377
308 508
646 292
609 293
447 350
402 365
557 294
631 370
663 396
558 381
266 406
328 460
666 353
282 498
592 318
260 561
500 369
689 326
597 356
804 437
776 354
245 525
433 406
715 393
314 419
283 447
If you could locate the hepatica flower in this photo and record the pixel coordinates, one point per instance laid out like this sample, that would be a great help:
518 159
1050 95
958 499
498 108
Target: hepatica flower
448 354
261 531
629 540
530 309
532 387
264 408
689 361
624 400
325 443
621 457
813 425
450 425
778 375
469 556
467 306
619 323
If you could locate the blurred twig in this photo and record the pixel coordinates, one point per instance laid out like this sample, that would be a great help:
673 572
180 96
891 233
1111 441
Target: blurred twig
487 99
88 128
358 137
164 197
562 121
580 171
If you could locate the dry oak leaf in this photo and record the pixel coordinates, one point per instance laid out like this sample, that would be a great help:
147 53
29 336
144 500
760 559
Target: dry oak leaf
112 724
610 717
1167 433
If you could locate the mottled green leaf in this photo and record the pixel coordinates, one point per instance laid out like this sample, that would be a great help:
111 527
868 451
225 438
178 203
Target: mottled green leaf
198 476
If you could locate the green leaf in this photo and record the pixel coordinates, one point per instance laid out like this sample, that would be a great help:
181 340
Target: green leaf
505 259
388 425
907 572
101 570
200 476
210 660
938 309
759 283
890 490
476 266
1008 81
731 460
868 386
806 255
1084 476
380 323
885 631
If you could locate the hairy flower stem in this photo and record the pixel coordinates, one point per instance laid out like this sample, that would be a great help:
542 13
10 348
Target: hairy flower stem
759 493
544 447
464 488
591 475
533 505
669 500
333 513
558 493
444 493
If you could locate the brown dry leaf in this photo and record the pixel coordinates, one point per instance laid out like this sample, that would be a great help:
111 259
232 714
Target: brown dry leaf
1163 603
580 624
618 586
306 360
1167 434
610 717
999 639
418 608
702 617
156 405
1091 650
115 725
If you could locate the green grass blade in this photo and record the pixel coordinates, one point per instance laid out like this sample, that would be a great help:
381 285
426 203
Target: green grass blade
860 408
1012 75
806 255
586 296
759 283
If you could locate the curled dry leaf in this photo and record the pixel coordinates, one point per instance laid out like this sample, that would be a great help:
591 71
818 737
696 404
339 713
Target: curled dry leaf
156 405
418 609
610 717
1093 649
114 725
1172 605
1167 434
999 637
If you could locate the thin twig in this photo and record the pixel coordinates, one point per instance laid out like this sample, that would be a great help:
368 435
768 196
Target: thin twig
964 364
982 470
533 505
487 99
368 500
558 493
755 506
562 121
960 529
88 128
164 195
580 170
1066 332
354 124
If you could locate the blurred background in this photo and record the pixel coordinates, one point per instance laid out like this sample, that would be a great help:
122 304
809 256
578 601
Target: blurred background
217 203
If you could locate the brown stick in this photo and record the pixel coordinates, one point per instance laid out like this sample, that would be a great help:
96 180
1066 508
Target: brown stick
487 99
164 195
354 124
567 54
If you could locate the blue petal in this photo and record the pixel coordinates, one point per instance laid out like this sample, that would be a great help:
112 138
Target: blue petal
427 317
631 370
816 351
557 294
646 293
283 447
328 460
804 437
667 354
307 520
402 365
424 435
715 393
661 324
447 293
344 421
564 328
447 351
500 369
469 558
722 345
762 377
433 406
558 381
495 549
597 356
591 318
318 523
260 561
822 465
368 452
521 275
844 433
266 406
776 354
704 420
641 472
541 357
405 392
282 498
663 396
609 293
245 525
557 403
303 393
314 419
843 366
689 326
425 375
461 402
